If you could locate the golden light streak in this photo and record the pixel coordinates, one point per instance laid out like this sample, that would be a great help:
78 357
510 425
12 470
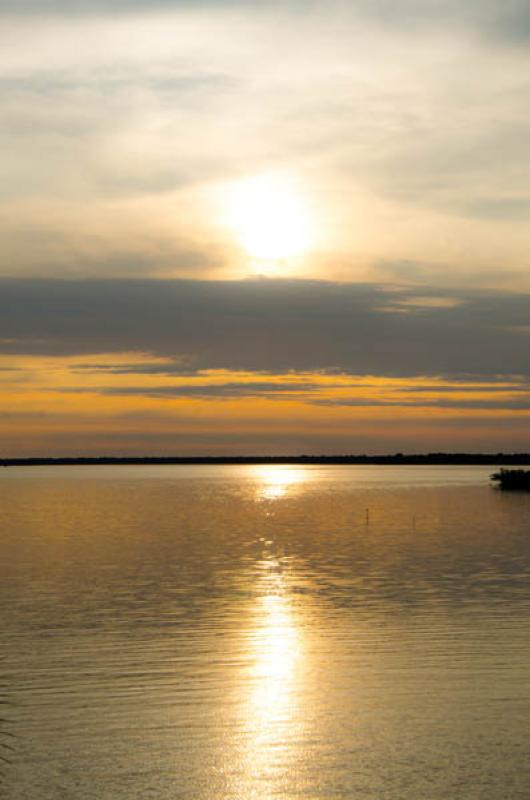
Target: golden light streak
275 652
46 396
271 712
274 481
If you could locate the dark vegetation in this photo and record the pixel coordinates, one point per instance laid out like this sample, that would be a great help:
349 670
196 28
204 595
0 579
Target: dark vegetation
513 480
487 459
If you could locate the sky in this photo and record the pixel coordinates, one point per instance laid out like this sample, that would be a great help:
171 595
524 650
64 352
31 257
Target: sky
289 227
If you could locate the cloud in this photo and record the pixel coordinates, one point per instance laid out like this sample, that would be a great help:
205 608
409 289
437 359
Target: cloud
406 121
225 391
493 18
31 250
485 386
462 404
274 326
477 399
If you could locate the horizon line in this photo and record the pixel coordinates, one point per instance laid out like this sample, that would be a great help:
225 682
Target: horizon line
432 458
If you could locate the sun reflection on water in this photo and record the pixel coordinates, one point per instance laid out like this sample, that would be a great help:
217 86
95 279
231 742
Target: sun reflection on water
276 653
274 482
271 716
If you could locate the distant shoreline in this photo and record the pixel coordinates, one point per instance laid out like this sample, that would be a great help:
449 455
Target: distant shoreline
428 459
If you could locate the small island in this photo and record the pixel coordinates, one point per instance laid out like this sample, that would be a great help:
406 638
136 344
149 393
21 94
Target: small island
514 480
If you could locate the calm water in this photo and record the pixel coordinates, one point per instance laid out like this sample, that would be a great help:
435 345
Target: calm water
246 633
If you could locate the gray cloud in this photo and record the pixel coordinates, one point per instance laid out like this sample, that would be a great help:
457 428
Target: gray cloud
488 405
434 388
302 391
496 18
226 391
145 368
271 325
509 19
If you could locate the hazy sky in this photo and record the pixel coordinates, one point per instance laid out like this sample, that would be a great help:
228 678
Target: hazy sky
284 227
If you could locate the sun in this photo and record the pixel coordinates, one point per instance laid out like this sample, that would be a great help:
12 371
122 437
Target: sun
270 217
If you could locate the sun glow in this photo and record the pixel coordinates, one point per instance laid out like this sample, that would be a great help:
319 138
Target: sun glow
276 652
271 717
274 481
270 217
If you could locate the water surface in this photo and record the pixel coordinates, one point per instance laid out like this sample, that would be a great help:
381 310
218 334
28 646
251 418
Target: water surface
248 633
